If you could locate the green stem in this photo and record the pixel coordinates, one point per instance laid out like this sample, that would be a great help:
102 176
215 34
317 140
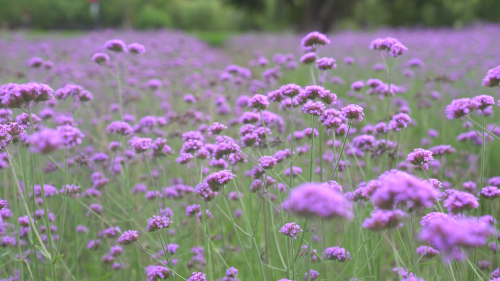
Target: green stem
342 150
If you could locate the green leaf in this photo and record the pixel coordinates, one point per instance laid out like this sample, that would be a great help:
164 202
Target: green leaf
58 258
43 252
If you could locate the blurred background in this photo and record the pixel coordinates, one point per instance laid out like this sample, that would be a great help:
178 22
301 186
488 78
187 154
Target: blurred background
243 15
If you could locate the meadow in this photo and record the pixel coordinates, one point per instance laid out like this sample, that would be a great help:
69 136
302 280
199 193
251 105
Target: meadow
151 155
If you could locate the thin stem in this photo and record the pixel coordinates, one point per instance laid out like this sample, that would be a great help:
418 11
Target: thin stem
341 151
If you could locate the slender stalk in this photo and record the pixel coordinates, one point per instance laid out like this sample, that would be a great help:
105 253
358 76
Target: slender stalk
342 150
311 162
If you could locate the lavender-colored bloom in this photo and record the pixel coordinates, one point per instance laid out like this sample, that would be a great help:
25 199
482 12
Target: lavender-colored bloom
419 156
267 162
490 192
158 272
325 64
216 128
3 204
218 180
291 90
397 186
197 276
427 251
205 191
136 48
443 149
314 108
333 185
225 148
392 45
119 127
469 186
484 101
184 158
314 39
358 85
46 141
382 219
460 201
231 272
308 58
258 102
100 58
492 78
460 107
445 235
399 121
336 253
71 136
116 45
140 145
291 229
317 200
157 223
353 111
312 276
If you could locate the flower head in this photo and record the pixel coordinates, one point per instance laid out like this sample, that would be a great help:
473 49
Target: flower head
291 229
317 200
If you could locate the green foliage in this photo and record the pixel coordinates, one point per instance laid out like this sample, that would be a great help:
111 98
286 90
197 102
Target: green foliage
231 15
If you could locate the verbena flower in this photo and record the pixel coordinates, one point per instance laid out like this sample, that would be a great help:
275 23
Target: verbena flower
157 223
336 253
383 219
291 229
317 200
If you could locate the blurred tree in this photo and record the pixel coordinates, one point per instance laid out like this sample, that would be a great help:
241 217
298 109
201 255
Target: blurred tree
224 15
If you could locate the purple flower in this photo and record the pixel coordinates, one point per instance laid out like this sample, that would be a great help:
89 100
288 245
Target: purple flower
419 156
325 64
382 219
225 148
217 180
197 276
333 185
400 187
399 121
140 145
205 191
317 200
290 90
484 101
258 102
157 223
460 107
392 45
158 272
443 149
3 204
398 49
216 128
313 108
427 251
308 58
336 253
445 235
71 136
460 201
291 229
100 58
119 127
313 275
46 141
136 48
184 158
231 272
115 45
353 111
492 78
490 192
314 39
